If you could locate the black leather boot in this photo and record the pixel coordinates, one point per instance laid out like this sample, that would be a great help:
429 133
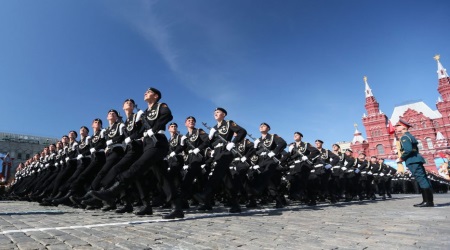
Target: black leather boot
424 199
428 198
146 209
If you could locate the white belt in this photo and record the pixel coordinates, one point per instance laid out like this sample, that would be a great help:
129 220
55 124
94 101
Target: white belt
297 161
219 145
47 165
375 174
336 167
363 172
263 153
318 165
237 159
312 171
350 171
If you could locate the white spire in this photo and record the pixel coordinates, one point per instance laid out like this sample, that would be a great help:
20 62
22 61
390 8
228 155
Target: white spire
442 73
368 90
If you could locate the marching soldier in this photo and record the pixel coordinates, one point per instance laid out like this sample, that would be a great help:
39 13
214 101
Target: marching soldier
221 137
269 148
348 171
97 144
194 143
360 180
328 159
156 147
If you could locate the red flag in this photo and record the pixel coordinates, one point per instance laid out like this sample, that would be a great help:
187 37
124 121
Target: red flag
441 154
390 128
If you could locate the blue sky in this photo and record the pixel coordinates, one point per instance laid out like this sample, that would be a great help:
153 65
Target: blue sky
297 65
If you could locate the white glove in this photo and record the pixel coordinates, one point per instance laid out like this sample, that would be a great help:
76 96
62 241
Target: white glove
369 173
92 150
190 151
232 168
243 159
328 166
79 156
203 166
149 133
108 142
381 174
291 147
230 146
127 140
292 166
102 133
139 114
172 154
183 138
67 158
304 158
255 144
211 133
196 151
357 170
255 167
61 162
185 167
212 153
271 154
344 168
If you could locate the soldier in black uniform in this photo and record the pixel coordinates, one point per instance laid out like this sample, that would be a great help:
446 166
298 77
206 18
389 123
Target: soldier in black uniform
175 159
360 180
221 136
337 181
269 148
371 172
389 174
241 166
97 144
348 172
68 166
380 178
114 151
133 131
156 147
194 143
328 159
83 161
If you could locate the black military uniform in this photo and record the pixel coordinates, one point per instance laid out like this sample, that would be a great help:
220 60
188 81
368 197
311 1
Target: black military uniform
221 140
269 149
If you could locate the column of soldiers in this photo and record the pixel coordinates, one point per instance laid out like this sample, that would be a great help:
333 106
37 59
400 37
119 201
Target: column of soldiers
132 163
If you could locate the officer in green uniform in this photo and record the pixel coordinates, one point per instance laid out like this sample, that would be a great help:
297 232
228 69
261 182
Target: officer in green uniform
414 161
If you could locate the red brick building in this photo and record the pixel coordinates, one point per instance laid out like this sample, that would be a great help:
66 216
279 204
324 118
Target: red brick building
430 127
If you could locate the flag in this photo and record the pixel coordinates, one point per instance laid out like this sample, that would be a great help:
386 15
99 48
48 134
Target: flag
390 128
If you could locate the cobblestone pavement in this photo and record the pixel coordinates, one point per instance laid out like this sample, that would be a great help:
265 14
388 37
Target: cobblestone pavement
389 224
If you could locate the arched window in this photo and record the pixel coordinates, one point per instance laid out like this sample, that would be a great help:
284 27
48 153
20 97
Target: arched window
380 149
419 144
429 143
424 124
436 124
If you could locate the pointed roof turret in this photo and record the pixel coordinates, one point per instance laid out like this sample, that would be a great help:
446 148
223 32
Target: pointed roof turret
368 90
442 72
357 136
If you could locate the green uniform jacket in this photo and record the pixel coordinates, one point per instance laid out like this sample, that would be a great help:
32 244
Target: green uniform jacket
409 150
